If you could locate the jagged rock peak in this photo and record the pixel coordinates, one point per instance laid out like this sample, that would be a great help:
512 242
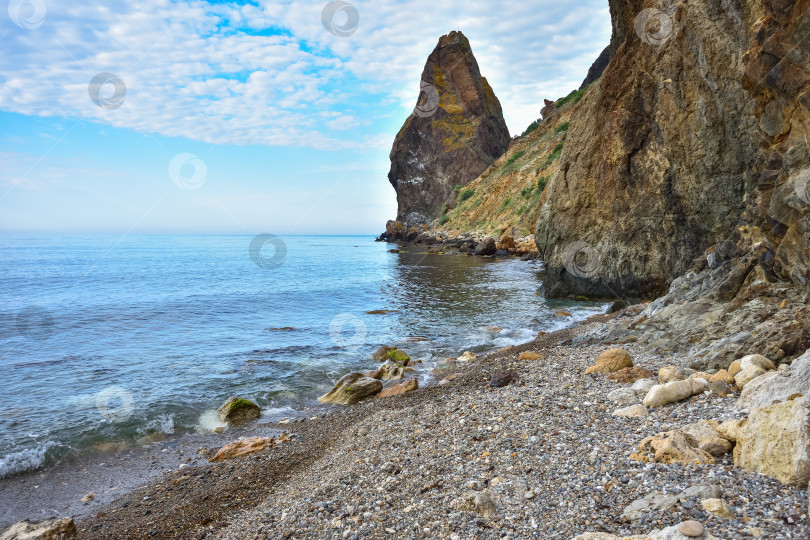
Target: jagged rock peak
455 132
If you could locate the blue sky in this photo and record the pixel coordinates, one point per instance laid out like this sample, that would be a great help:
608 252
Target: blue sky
245 117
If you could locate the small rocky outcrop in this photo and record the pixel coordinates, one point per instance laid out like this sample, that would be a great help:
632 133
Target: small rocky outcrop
352 388
50 529
456 131
238 411
777 385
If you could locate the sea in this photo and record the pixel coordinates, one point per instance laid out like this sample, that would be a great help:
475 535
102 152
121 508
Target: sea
117 339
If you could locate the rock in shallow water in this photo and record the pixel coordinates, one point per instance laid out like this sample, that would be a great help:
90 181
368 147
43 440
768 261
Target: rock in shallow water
352 388
238 410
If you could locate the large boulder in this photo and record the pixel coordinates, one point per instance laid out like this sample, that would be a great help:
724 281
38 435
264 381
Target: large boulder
456 131
50 529
238 411
777 385
352 388
775 441
486 247
704 436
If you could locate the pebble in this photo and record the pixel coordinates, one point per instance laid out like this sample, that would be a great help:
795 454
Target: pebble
691 528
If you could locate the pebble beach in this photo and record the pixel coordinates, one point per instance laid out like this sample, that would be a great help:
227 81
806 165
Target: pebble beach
542 457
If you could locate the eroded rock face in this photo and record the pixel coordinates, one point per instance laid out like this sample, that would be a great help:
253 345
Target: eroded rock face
695 137
457 130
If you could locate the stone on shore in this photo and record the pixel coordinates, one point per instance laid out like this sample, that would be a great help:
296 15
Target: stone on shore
702 435
503 378
630 375
777 385
450 378
243 447
729 429
238 411
530 355
611 360
49 529
634 411
486 247
775 441
399 389
352 388
479 502
623 396
718 507
664 394
691 529
722 376
670 447
673 373
506 242
751 367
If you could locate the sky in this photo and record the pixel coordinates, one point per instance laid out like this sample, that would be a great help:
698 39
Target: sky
215 117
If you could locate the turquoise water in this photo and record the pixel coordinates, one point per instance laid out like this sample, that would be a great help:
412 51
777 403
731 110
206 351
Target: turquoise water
111 338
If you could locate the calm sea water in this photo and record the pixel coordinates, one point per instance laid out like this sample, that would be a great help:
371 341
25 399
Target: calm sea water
110 338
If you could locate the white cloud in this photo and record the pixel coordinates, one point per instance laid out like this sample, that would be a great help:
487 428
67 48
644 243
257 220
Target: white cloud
199 71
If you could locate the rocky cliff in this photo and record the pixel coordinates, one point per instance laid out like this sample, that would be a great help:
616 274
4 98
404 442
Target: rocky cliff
455 132
690 152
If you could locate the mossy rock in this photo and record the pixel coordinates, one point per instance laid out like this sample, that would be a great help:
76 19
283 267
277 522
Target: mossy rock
238 410
352 388
392 354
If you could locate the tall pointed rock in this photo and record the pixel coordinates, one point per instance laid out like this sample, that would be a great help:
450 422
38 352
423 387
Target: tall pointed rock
455 132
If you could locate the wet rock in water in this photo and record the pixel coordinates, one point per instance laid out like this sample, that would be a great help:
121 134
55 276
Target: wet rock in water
717 507
562 313
238 410
399 389
394 354
777 385
617 305
611 360
391 371
282 329
381 311
633 411
375 374
630 375
775 441
243 448
751 367
352 388
702 435
664 394
503 378
670 447
486 247
530 355
673 373
468 356
479 502
89 497
49 529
